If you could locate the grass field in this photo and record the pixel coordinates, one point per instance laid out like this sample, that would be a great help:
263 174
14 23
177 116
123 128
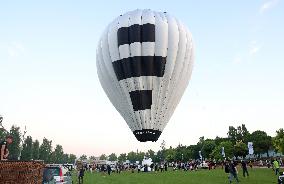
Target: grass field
218 176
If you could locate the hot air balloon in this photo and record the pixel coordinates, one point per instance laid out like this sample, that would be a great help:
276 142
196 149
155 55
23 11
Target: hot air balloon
144 64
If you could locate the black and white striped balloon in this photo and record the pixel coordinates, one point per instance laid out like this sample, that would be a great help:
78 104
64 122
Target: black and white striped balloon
144 64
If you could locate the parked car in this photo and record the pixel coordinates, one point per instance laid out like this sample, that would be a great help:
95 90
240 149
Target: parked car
56 174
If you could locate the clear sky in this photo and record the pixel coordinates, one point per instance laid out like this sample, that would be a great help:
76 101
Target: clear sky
48 78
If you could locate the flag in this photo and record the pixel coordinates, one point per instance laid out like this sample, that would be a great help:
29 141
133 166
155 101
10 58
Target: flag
250 148
223 152
200 156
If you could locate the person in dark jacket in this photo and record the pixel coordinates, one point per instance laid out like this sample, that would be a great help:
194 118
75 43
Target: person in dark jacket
102 168
156 167
233 172
108 169
245 169
81 175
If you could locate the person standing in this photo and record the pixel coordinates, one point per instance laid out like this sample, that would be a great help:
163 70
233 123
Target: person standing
222 164
250 164
81 175
117 168
276 166
268 164
103 169
166 166
4 147
120 166
245 169
108 169
227 167
152 167
233 172
162 167
145 168
156 167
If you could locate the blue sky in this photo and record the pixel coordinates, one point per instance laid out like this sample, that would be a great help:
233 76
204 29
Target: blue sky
48 79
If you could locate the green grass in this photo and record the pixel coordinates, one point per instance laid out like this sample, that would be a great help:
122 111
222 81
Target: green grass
218 176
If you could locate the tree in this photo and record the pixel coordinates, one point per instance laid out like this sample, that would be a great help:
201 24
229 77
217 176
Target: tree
35 150
238 134
198 147
218 140
57 155
131 156
180 152
27 152
65 158
162 153
208 147
72 158
84 157
232 134
228 147
140 156
3 134
278 141
150 154
242 133
15 148
112 157
103 157
190 152
240 149
261 142
170 154
122 157
45 150
201 140
160 156
92 158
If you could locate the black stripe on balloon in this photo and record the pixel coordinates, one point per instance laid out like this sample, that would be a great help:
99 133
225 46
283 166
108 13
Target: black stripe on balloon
138 66
141 99
136 33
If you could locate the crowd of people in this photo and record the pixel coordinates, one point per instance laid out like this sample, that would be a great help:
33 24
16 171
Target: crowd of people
229 166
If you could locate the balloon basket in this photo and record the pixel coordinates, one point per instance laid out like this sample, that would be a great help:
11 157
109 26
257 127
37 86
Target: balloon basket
21 172
145 135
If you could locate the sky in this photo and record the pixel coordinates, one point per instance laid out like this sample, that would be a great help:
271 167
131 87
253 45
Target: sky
48 79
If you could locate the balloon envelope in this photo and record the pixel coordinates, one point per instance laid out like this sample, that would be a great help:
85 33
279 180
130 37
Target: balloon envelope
144 64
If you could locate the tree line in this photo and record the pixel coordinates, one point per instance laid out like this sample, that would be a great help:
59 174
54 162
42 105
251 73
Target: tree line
25 148
235 145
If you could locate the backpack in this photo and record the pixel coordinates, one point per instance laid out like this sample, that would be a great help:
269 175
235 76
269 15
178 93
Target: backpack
227 170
